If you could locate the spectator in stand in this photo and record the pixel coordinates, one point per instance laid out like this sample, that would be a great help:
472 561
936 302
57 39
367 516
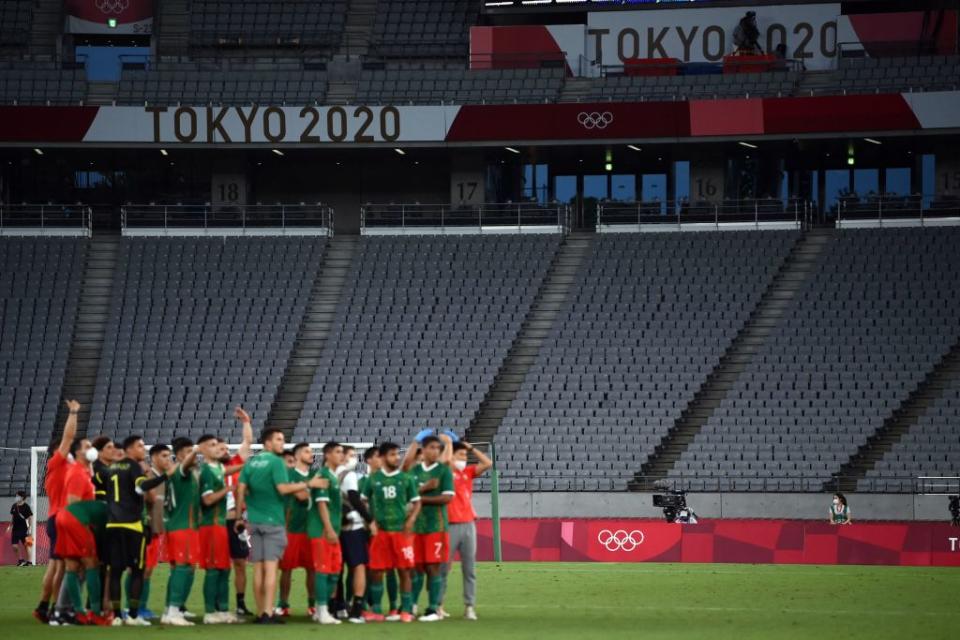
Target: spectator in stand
839 511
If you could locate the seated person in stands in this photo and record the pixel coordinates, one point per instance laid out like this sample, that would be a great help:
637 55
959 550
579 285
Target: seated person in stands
839 511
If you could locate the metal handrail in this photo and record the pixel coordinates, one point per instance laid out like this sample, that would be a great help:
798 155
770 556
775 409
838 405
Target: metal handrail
208 216
461 217
888 209
675 213
47 217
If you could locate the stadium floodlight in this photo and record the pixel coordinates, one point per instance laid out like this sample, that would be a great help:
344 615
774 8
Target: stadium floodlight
39 152
747 145
634 147
512 150
278 152
400 151
872 141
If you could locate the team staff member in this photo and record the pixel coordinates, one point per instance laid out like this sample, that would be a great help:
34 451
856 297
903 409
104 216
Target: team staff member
57 464
128 483
181 512
354 540
239 547
21 521
395 504
463 525
263 483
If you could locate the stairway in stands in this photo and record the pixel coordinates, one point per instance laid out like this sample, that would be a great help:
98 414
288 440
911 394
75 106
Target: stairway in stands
90 328
770 309
575 89
173 27
817 83
101 93
535 329
46 28
898 423
358 28
312 334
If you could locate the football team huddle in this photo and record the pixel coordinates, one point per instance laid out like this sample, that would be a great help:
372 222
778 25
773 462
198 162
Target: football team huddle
116 508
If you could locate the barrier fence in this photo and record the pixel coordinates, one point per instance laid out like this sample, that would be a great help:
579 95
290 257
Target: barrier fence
457 218
45 218
290 218
670 214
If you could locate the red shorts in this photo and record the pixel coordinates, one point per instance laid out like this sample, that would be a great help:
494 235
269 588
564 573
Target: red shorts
153 552
298 554
432 548
183 546
327 556
74 539
214 547
392 550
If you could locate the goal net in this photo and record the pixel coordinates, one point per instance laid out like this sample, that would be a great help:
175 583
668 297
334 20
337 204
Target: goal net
40 551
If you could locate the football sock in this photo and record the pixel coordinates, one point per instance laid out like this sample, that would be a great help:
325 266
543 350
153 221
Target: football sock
145 594
393 589
223 590
417 586
435 591
73 590
375 591
406 602
95 591
210 581
322 585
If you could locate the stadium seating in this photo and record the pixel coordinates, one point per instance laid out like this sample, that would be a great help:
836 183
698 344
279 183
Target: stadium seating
200 325
16 16
459 86
222 83
422 328
626 88
930 448
878 313
302 24
649 319
39 83
423 28
902 73
39 289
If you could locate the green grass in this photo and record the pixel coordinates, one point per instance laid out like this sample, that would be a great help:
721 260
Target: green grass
550 601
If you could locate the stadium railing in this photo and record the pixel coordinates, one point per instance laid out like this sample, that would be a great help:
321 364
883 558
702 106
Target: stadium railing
897 211
53 219
666 215
416 218
215 219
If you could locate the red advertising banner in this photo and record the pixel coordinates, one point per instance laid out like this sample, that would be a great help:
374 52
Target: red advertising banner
724 541
109 16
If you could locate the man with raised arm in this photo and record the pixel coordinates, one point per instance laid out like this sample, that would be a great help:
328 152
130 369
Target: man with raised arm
214 544
239 547
181 514
128 484
58 462
390 492
263 483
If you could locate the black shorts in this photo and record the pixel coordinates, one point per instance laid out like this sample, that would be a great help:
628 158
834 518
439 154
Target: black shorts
239 550
18 536
126 548
52 537
355 547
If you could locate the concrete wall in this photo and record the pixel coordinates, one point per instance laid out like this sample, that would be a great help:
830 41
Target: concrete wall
867 506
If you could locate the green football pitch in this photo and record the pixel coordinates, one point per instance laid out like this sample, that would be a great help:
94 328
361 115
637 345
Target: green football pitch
549 600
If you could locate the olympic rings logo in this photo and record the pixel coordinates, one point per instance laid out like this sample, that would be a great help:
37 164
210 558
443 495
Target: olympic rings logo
620 540
594 119
112 6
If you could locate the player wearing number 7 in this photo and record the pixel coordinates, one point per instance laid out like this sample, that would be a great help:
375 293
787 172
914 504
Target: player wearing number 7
389 492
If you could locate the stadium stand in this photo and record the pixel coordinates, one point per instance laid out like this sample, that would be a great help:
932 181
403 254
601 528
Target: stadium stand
899 73
431 86
876 315
16 16
222 83
625 88
651 317
929 448
39 289
267 23
423 28
40 83
201 325
422 327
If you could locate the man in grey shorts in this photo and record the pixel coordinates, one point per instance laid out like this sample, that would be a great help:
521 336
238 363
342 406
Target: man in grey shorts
262 484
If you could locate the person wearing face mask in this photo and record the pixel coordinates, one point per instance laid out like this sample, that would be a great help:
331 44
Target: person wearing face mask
463 526
839 511
354 539
21 519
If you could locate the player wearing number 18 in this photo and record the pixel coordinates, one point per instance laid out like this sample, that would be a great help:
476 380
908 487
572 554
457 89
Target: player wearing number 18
389 493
